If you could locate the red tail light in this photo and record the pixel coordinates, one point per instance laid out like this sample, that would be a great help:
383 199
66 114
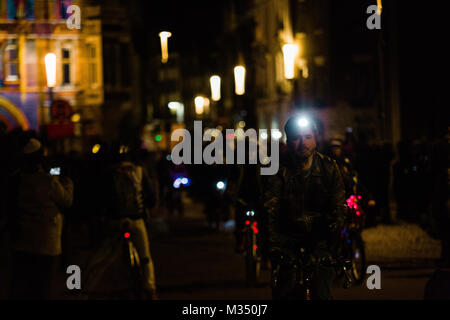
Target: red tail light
255 247
247 222
126 235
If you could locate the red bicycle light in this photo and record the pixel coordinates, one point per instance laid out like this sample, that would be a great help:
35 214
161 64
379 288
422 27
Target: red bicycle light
126 235
255 247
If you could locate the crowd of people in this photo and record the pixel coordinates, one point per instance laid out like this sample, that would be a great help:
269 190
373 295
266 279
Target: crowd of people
44 195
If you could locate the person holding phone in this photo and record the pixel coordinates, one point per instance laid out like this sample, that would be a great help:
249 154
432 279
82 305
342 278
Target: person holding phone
36 199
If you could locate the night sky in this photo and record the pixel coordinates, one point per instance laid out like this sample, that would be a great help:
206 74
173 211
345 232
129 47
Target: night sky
421 38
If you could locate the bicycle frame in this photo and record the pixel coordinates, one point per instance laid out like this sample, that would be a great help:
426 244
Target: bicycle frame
133 261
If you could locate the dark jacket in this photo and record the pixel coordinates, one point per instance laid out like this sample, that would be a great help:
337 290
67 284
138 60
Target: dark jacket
128 191
300 211
38 220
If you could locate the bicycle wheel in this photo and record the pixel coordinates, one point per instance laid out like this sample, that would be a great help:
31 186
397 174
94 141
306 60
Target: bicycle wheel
358 259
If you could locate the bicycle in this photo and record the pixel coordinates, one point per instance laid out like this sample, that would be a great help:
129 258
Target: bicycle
304 265
350 242
120 236
252 250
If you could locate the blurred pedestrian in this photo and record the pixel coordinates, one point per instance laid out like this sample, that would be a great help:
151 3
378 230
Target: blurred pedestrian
127 196
35 224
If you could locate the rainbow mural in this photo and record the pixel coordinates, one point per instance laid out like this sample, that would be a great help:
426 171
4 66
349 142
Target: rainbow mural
14 117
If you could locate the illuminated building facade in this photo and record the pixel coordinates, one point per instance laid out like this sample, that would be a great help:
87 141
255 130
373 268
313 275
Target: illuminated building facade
28 31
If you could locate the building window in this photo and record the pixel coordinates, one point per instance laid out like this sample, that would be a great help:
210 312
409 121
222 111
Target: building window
20 9
63 5
65 54
31 63
11 62
92 64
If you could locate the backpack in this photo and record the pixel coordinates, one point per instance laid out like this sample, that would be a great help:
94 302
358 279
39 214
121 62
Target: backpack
127 191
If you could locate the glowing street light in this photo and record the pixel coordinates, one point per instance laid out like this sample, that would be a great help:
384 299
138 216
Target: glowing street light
215 88
50 69
380 7
178 109
164 35
239 80
199 105
289 53
173 105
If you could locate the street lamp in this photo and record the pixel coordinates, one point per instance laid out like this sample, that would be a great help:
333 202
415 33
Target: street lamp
50 70
215 88
164 35
290 54
380 7
199 105
178 108
239 80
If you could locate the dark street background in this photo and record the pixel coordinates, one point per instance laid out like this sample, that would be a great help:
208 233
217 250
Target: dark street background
192 262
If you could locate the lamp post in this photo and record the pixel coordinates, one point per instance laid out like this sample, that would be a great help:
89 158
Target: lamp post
164 35
50 70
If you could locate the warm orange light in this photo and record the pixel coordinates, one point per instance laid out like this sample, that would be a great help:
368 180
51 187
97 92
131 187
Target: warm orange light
50 69
199 104
206 105
75 117
290 54
239 80
164 35
96 148
215 88
380 7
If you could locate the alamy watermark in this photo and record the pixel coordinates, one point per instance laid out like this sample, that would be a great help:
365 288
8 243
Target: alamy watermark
374 280
74 280
74 21
216 152
374 20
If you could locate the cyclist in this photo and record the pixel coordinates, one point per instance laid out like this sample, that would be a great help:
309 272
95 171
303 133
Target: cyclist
303 201
127 195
